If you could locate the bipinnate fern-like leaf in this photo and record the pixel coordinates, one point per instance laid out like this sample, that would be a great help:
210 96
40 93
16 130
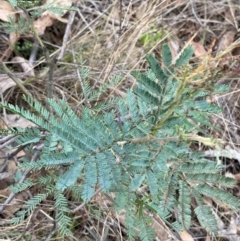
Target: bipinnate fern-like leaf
70 177
90 179
29 206
166 56
184 56
197 167
205 214
152 182
137 181
216 179
220 196
21 186
150 85
141 141
184 205
146 232
161 77
63 220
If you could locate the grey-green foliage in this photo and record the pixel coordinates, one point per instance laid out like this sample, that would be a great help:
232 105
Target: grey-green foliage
35 8
25 3
142 142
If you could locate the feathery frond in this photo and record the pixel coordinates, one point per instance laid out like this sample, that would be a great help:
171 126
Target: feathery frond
143 141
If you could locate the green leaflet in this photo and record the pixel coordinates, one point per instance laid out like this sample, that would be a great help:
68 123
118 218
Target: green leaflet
90 179
205 214
220 196
184 57
137 181
166 56
184 205
70 177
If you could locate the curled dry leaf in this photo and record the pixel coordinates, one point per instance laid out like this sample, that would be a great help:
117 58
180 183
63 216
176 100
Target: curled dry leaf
42 23
5 83
48 18
6 10
25 65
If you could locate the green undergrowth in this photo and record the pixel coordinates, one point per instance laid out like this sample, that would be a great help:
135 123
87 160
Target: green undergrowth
141 143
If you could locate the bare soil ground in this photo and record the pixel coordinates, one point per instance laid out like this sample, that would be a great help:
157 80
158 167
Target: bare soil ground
111 38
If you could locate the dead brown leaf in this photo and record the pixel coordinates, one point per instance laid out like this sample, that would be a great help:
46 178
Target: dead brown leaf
48 18
21 154
25 65
141 10
15 204
160 228
229 15
13 38
42 23
6 10
5 83
5 192
237 177
208 238
185 236
14 120
12 166
199 50
226 41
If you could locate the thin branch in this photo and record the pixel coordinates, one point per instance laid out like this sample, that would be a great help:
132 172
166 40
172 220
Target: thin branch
67 34
17 81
